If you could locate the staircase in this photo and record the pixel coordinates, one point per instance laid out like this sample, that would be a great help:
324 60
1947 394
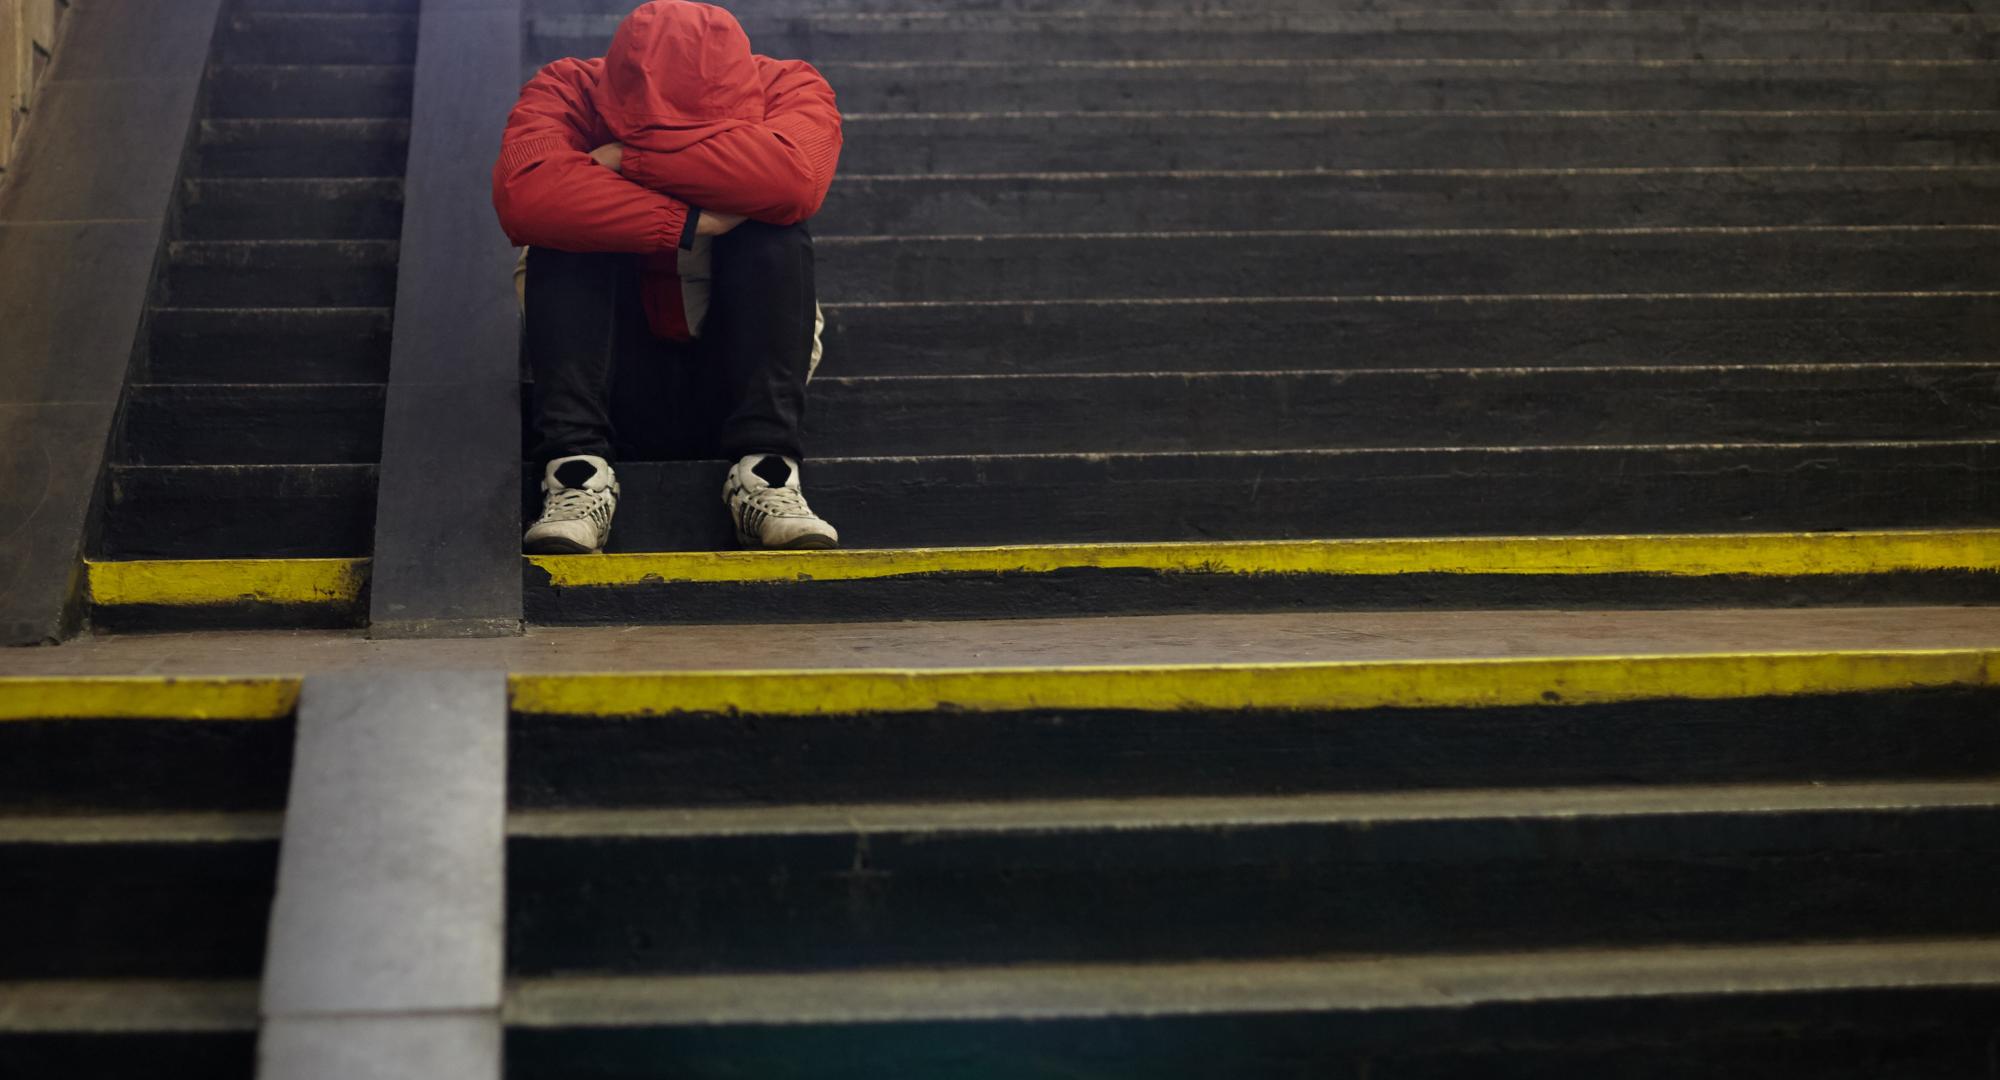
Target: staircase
1106 281
253 420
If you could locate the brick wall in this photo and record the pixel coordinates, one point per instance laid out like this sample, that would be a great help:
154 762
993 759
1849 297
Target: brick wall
27 40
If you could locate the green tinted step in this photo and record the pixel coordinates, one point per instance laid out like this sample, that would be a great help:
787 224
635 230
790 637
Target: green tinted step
252 424
916 34
335 91
281 273
1833 1010
301 148
1233 333
292 209
317 37
1309 84
227 511
269 345
1000 499
904 144
118 1027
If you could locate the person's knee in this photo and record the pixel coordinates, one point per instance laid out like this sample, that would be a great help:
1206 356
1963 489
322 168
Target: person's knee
764 249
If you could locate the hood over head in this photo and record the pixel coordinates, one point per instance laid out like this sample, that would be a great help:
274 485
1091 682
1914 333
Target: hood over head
676 73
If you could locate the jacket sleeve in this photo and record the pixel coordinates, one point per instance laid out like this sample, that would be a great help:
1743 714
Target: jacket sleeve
777 171
548 191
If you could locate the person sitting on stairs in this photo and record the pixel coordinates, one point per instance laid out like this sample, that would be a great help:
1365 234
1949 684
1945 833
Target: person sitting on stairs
660 191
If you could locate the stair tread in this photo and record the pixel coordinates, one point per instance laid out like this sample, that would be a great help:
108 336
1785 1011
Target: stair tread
114 1006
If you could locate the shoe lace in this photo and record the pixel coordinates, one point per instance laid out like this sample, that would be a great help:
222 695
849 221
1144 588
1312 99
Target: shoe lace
782 502
570 504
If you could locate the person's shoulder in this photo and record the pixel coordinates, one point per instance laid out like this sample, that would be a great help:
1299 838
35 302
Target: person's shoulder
572 70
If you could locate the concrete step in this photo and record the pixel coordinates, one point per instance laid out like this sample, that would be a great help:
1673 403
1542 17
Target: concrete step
268 345
252 424
281 273
1236 333
899 416
921 143
106 1028
315 37
833 37
301 148
1837 1010
1001 204
142 896
916 86
370 209
1090 498
309 91
851 885
1406 263
359 7
223 511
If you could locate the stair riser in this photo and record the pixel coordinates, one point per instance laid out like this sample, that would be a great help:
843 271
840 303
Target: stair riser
183 910
239 512
1832 1034
835 901
101 1055
111 766
330 274
1351 264
927 145
903 502
339 38
1033 339
337 345
1660 36
308 92
702 759
252 425
279 148
1321 87
1139 203
327 210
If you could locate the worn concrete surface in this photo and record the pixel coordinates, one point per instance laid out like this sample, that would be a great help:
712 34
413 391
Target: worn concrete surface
1033 642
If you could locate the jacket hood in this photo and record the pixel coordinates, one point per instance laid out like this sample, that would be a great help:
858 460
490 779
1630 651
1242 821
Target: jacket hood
676 73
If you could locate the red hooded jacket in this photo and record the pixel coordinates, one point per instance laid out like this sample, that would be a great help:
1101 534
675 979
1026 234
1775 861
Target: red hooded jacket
705 124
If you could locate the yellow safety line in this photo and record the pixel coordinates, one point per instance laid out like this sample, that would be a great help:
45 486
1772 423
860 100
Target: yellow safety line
1336 685
162 697
185 582
1761 554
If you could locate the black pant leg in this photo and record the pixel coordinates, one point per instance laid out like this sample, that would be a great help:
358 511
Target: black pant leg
580 310
759 336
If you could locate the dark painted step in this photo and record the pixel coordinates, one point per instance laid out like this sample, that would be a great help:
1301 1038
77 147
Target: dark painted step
83 1048
302 148
269 345
1832 1012
1152 336
1386 263
911 502
998 205
1010 882
346 91
708 760
142 765
409 7
315 37
1088 142
607 12
238 511
254 424
1086 86
1226 35
81 906
1289 410
370 209
281 273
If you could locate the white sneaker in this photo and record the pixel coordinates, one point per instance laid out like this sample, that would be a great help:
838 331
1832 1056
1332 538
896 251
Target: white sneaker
579 495
763 496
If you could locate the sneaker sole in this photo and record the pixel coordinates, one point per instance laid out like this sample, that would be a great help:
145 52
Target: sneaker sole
556 545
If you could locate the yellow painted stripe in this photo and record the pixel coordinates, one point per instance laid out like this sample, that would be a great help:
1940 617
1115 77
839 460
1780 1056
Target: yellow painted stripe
1338 685
150 697
1763 554
194 582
